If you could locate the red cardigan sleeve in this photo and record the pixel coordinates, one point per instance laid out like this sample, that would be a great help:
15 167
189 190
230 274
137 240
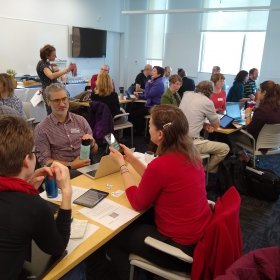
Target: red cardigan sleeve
143 196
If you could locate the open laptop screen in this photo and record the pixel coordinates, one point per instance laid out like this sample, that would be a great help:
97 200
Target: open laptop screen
233 110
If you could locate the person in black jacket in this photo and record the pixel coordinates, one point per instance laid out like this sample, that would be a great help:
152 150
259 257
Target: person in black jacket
24 215
187 83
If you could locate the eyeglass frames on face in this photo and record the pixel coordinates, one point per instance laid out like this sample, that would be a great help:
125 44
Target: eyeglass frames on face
57 101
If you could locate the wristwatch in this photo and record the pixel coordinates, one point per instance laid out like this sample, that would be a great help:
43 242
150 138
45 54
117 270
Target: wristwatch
69 165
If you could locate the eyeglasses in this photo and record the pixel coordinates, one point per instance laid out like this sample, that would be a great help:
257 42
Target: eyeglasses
103 69
57 101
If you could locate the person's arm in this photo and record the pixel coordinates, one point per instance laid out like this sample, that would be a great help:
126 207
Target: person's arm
53 236
211 114
127 157
54 75
138 88
42 145
74 164
240 93
154 89
88 135
256 122
149 188
143 196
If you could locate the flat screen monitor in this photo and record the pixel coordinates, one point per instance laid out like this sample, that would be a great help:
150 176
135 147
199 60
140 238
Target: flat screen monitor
88 42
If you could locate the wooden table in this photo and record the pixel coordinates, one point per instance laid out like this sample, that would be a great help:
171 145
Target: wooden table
103 234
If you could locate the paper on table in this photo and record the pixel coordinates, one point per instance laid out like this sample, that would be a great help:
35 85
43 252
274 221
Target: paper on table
74 243
109 213
37 98
78 228
76 192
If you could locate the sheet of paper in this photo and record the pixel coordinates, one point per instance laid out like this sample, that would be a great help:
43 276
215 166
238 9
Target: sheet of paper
109 213
74 243
76 192
78 228
37 98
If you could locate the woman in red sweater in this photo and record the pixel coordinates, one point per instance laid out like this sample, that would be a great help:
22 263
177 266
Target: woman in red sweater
173 185
219 95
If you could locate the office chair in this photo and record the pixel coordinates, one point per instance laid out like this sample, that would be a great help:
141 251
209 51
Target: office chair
268 141
219 247
124 125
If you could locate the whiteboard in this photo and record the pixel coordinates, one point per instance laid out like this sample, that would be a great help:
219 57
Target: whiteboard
21 41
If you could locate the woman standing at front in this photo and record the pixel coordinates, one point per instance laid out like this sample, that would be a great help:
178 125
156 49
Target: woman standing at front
173 184
48 73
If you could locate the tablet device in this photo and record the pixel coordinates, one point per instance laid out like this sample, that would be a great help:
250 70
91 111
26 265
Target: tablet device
226 121
90 198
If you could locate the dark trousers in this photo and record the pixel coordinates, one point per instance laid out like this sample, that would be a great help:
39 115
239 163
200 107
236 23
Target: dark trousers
131 240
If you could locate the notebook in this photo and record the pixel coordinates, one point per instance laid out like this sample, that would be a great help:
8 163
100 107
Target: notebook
105 167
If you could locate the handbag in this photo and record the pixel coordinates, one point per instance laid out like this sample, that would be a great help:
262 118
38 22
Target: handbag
262 183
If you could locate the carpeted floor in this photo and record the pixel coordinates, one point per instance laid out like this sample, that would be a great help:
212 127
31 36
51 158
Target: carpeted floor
260 220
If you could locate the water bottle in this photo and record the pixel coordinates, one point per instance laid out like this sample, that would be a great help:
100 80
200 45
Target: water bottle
51 187
85 149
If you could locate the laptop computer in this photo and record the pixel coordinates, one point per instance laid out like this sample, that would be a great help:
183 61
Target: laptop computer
233 110
105 167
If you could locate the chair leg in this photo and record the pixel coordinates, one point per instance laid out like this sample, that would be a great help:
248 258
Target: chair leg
132 137
207 173
131 274
146 128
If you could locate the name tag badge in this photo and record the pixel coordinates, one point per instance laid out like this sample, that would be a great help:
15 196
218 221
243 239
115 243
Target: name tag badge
75 130
220 99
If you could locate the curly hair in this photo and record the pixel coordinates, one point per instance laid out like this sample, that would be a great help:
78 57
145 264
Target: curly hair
46 51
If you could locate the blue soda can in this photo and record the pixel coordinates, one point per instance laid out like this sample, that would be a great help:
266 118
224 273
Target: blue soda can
51 187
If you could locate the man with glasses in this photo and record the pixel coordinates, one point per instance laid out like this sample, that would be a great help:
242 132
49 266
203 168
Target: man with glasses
104 69
59 136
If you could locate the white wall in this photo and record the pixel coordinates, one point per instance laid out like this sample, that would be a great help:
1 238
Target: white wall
271 56
183 41
99 14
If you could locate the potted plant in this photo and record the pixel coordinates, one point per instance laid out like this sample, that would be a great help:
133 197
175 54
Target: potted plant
12 73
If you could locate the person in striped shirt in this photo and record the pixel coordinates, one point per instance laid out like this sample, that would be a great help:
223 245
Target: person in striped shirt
250 87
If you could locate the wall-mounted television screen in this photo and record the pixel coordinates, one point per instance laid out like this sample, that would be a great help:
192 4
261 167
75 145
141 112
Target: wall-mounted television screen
88 42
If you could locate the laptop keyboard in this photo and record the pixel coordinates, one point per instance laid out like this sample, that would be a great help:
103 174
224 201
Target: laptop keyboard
92 173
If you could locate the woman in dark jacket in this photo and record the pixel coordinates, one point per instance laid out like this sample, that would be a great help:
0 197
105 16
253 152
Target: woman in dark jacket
236 92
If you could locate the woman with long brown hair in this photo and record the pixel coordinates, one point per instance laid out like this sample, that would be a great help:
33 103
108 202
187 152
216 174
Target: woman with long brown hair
268 110
7 96
173 184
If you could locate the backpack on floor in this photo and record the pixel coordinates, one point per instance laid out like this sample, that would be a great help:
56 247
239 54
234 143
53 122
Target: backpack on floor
232 173
262 183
